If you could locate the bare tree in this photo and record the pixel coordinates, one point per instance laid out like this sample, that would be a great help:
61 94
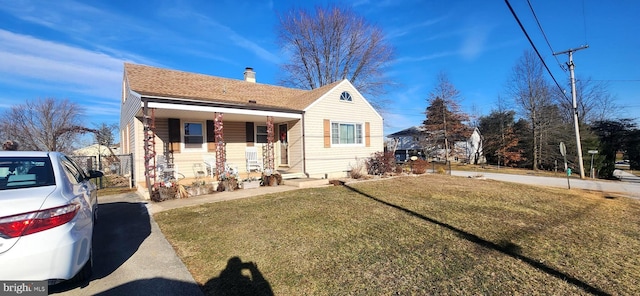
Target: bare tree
104 133
594 102
532 95
43 124
331 44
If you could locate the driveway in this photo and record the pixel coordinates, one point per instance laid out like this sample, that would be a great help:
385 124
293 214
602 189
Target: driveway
131 255
629 189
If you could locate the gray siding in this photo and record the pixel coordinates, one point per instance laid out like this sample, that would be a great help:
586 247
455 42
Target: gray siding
131 126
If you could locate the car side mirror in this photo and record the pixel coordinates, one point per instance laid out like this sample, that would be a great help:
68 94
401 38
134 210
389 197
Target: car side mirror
95 174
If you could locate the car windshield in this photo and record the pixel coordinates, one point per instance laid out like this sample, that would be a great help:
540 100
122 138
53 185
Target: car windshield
25 172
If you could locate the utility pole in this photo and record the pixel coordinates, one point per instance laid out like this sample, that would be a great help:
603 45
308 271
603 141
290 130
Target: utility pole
575 103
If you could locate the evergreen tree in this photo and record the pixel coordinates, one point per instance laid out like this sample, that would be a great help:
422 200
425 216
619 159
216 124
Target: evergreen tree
500 141
613 136
444 120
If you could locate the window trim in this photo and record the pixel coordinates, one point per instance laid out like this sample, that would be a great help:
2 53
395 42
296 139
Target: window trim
183 142
357 143
346 98
265 134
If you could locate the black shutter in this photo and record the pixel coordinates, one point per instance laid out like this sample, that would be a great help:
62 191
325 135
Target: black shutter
250 129
174 135
211 136
174 130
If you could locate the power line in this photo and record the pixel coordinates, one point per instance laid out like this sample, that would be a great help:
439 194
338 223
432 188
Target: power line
616 80
535 49
584 20
544 35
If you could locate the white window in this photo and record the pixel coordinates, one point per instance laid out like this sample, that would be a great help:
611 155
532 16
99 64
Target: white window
346 133
345 96
193 135
261 134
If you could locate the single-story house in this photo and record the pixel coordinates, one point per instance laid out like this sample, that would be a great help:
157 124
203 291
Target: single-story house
189 119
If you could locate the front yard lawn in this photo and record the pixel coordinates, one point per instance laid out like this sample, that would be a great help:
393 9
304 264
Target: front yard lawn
413 236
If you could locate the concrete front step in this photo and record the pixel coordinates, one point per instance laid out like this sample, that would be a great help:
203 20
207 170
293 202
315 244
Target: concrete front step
306 182
287 176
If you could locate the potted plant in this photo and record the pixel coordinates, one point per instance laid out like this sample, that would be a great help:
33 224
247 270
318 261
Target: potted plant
251 182
169 190
270 178
228 179
200 187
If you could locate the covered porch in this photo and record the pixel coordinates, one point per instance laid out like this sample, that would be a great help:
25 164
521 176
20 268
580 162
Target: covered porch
197 141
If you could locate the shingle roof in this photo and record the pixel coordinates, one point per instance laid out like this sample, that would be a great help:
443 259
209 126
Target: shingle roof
409 132
152 81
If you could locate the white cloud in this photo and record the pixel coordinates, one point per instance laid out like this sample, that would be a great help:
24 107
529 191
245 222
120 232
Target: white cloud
406 110
213 28
88 72
394 122
474 42
426 57
76 19
410 28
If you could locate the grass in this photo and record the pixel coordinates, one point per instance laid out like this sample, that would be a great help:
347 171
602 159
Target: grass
413 236
114 190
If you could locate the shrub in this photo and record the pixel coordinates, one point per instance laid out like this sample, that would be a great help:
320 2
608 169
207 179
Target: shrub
419 166
399 169
357 170
381 163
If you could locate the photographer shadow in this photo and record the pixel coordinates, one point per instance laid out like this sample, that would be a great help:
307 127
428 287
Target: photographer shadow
238 278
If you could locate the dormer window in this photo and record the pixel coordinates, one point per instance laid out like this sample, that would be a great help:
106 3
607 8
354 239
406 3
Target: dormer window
345 97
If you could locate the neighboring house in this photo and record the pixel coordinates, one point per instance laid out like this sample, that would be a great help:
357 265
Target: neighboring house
472 148
95 149
317 133
101 157
414 141
409 142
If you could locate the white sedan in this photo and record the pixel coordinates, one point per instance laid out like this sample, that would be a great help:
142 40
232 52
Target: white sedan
48 207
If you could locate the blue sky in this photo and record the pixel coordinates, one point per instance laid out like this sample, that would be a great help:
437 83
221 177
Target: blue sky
76 49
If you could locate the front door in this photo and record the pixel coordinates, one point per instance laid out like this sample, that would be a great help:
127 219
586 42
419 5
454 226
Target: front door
284 144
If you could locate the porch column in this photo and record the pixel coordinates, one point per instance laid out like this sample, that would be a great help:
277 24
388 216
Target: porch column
269 153
221 155
148 122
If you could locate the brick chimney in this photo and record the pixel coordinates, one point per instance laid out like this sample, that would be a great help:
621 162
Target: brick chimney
249 75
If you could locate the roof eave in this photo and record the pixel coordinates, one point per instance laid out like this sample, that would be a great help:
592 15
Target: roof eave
217 104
